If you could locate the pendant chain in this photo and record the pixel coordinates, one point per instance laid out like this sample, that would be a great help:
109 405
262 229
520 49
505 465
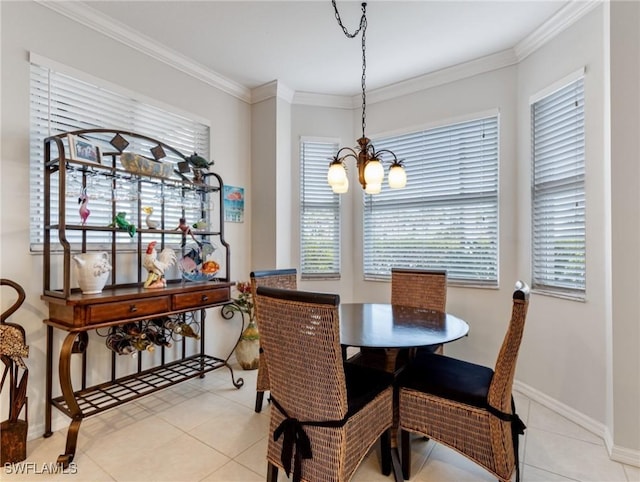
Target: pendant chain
362 27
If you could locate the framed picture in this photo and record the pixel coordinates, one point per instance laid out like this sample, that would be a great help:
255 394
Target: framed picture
80 149
233 204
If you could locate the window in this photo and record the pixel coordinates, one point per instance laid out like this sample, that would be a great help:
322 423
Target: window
558 197
61 103
447 216
319 213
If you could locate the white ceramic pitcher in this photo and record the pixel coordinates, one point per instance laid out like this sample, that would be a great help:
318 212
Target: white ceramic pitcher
92 270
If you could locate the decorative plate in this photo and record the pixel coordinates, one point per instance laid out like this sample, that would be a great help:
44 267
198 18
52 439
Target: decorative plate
198 262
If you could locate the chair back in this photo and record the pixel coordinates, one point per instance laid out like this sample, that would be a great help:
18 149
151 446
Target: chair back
300 334
419 288
273 278
502 382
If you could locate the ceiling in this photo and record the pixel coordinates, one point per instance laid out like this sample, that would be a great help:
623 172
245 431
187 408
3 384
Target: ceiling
300 44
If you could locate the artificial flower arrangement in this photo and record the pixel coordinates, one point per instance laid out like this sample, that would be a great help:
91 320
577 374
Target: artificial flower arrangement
243 303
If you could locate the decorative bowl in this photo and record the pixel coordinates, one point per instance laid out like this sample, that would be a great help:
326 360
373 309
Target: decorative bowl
138 164
193 276
197 263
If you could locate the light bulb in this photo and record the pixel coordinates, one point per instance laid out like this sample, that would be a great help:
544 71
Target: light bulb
397 176
337 174
373 188
373 172
341 188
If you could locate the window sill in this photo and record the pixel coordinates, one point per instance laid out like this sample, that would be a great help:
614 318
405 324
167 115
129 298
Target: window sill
563 296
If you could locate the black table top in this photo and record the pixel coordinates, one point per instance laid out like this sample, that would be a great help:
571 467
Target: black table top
379 325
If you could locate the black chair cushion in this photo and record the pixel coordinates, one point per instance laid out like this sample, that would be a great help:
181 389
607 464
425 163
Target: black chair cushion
448 378
363 385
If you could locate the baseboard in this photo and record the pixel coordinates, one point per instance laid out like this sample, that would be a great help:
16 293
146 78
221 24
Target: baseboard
560 408
619 454
623 455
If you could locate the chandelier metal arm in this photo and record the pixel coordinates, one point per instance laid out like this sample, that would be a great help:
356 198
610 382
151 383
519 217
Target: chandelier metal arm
387 151
351 153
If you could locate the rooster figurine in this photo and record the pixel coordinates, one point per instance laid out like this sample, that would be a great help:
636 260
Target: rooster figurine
156 264
151 223
83 200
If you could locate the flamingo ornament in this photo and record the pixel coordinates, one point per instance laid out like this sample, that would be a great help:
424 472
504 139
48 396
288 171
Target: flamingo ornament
83 200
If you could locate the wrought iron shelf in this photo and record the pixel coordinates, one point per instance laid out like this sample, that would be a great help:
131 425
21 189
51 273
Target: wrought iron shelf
195 192
98 398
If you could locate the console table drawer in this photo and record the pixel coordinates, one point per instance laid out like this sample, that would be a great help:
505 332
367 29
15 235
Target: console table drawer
122 310
200 299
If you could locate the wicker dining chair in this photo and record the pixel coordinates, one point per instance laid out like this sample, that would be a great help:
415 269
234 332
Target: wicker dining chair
325 414
418 288
275 278
465 406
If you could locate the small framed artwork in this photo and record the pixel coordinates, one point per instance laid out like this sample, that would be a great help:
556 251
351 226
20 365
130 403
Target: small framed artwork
81 149
234 204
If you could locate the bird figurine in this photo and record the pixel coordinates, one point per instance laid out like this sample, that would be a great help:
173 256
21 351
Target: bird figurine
83 200
151 223
201 224
156 264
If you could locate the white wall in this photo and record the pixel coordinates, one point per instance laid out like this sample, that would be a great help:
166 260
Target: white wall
329 123
30 27
264 172
625 200
272 175
564 337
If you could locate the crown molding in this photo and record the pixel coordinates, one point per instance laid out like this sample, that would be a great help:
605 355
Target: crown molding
563 19
325 100
275 88
95 20
444 76
411 86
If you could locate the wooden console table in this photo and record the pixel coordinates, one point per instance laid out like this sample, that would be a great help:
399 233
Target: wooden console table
81 313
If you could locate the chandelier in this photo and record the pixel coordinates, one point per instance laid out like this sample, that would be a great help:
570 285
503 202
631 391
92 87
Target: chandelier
368 160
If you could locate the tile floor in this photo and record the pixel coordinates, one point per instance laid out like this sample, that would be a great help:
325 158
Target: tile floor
206 430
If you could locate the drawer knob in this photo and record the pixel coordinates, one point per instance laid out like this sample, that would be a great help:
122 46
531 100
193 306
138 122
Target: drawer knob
204 298
133 308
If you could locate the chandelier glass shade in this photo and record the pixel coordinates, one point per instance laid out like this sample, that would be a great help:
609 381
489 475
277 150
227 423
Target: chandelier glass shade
368 160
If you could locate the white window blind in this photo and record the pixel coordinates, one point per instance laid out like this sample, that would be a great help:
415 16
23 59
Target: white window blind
319 213
61 103
558 191
447 215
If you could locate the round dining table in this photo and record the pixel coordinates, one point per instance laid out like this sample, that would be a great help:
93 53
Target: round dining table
383 325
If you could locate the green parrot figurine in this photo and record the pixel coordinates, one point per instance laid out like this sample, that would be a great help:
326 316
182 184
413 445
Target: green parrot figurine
121 222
